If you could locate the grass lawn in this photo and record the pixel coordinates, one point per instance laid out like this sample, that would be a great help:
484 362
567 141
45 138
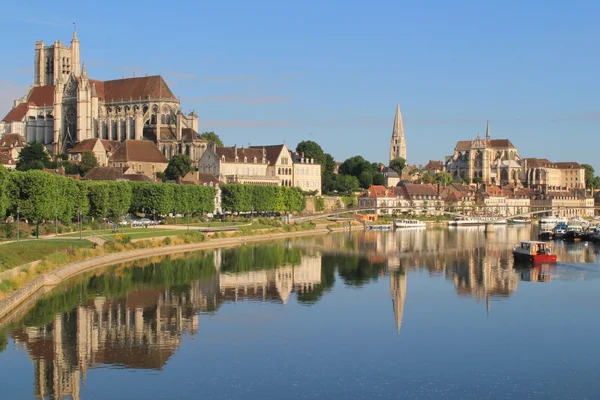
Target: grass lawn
15 254
110 233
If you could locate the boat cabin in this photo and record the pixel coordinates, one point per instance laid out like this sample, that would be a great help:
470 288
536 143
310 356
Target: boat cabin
534 248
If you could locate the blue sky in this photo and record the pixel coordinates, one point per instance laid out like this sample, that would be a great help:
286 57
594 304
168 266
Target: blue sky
262 72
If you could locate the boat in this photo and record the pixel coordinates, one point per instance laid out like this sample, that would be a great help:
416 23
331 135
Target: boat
546 233
549 220
595 235
573 232
519 221
379 227
472 221
533 251
409 223
559 230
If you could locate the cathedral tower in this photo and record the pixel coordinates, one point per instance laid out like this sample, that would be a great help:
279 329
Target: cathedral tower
55 62
398 142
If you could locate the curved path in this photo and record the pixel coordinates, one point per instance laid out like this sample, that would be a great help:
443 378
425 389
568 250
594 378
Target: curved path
44 283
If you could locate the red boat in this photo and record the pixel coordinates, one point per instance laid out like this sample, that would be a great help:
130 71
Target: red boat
532 251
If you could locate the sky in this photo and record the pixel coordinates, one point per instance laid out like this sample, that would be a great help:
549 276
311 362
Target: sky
264 72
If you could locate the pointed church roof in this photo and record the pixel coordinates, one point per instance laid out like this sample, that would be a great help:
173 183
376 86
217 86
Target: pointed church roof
398 130
488 132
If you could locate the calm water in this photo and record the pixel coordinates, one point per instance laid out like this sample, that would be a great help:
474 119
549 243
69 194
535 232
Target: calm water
436 314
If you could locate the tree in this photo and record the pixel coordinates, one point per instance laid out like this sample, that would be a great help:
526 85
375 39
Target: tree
179 166
346 184
443 178
313 150
426 178
398 164
3 191
33 156
591 182
212 137
88 162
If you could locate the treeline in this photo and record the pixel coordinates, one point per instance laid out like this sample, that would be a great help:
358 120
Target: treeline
248 198
36 196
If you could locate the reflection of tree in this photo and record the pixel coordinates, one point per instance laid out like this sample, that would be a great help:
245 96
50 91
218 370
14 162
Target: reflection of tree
355 271
327 282
252 258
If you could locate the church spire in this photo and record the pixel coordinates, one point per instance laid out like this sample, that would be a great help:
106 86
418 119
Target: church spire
488 133
398 142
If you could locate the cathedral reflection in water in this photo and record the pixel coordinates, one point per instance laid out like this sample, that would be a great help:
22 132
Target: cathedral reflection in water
143 328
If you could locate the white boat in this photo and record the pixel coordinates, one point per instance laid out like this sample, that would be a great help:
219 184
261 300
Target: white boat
409 223
519 221
471 221
549 220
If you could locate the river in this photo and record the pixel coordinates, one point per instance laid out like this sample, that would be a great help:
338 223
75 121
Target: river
420 314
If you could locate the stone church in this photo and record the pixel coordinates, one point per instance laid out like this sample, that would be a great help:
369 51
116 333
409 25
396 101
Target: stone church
64 107
398 141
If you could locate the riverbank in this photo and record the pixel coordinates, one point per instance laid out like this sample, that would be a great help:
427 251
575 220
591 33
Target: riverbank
45 282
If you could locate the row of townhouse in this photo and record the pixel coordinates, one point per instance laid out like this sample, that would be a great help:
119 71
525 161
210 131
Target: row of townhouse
423 199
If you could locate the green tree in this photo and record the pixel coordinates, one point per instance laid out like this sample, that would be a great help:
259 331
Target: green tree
179 166
591 182
88 162
398 164
443 178
3 191
33 156
311 149
346 184
426 178
212 137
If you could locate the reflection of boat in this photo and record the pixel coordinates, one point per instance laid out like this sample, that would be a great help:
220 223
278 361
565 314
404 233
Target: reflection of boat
532 251
409 223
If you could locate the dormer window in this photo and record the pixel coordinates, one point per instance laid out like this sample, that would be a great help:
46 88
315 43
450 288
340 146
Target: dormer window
245 159
222 158
237 159
254 160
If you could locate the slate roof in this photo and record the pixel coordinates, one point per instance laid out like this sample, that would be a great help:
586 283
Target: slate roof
229 153
140 151
273 152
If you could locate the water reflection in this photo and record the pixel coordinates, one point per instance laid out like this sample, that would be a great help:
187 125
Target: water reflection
135 315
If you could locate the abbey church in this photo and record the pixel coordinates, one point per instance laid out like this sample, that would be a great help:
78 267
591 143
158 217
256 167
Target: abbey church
64 107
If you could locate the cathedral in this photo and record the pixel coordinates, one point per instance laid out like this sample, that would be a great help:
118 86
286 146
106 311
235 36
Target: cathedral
64 107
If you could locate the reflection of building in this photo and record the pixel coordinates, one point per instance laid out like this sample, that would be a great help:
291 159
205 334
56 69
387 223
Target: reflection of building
274 284
140 331
485 273
398 292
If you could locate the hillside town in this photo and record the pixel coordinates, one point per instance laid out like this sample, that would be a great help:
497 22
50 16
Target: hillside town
133 129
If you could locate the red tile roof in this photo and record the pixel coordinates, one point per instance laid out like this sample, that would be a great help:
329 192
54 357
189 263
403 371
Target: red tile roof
153 87
12 140
140 151
17 114
411 190
545 163
377 191
433 165
42 95
84 145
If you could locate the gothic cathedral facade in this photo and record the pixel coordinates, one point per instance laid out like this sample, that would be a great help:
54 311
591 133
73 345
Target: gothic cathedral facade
64 106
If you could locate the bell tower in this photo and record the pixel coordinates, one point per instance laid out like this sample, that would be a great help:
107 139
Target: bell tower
398 142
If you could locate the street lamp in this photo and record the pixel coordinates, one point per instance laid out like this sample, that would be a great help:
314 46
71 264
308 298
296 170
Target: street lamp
18 225
80 221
